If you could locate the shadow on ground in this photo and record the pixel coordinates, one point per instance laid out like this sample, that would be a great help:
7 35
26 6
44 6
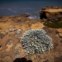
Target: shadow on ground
22 60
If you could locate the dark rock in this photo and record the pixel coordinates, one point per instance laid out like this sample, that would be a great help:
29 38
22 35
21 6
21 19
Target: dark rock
58 59
51 13
43 15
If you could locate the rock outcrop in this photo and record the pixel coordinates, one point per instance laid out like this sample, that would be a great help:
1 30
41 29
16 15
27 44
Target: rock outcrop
51 12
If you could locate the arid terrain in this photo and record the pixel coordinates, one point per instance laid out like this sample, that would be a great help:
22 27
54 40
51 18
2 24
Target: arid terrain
12 29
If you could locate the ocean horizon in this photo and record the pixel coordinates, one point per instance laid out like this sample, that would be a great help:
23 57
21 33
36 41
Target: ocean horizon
32 7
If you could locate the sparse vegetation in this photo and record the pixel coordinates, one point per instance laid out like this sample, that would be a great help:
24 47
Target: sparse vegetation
36 41
53 24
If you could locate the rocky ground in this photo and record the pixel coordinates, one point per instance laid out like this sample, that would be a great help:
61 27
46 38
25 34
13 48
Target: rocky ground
12 29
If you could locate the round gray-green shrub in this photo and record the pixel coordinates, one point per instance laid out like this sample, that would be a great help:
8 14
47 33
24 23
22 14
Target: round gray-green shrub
36 41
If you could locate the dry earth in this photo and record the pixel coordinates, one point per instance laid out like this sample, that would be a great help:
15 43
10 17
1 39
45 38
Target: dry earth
10 45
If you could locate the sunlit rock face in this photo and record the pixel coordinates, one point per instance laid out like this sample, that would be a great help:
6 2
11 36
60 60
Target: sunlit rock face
36 41
51 12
